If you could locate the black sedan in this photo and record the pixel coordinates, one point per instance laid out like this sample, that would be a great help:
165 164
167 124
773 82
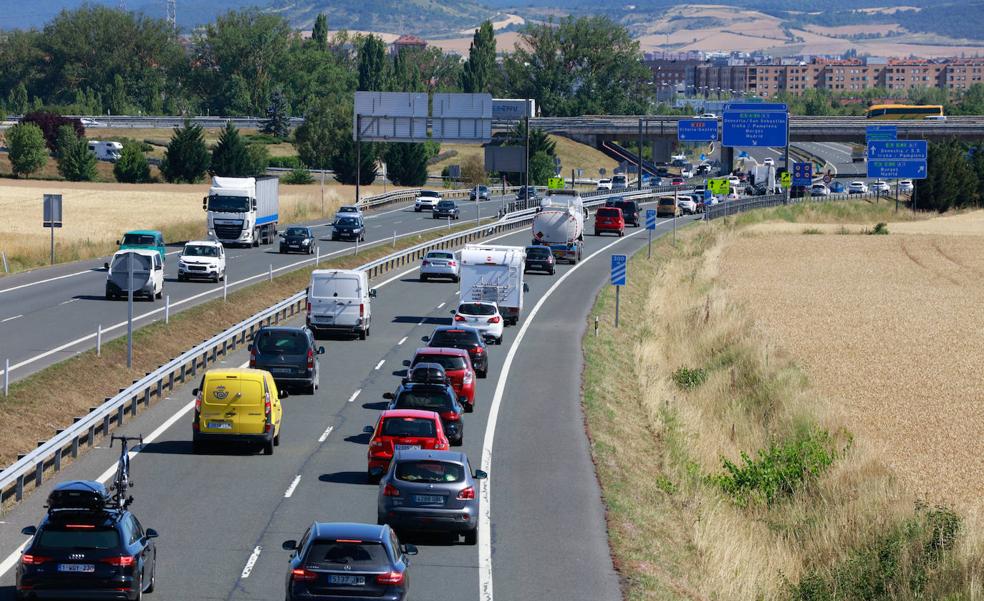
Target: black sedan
526 193
289 354
539 258
446 209
348 561
466 338
348 228
297 239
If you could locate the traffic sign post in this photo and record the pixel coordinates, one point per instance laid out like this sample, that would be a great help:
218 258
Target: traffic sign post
650 225
619 263
697 130
52 217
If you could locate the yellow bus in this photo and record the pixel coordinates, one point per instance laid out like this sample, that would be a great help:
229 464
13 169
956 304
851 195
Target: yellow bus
905 111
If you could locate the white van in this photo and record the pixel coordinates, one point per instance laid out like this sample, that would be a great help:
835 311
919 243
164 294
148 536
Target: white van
148 274
106 151
339 300
620 182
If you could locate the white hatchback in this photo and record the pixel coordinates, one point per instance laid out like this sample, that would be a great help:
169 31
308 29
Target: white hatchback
483 316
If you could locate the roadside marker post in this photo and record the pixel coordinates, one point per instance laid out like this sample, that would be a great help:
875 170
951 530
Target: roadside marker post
167 309
129 311
270 272
650 225
225 287
6 376
619 264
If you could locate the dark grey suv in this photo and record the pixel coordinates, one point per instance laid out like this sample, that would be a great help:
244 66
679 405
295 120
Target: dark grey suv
446 209
289 354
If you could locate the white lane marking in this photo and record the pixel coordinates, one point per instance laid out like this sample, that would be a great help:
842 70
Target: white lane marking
421 322
71 300
292 487
11 318
61 277
395 222
13 558
355 395
402 340
485 494
457 292
380 364
248 568
397 276
324 435
441 305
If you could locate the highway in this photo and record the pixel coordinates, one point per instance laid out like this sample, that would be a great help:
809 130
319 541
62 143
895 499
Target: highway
223 516
48 315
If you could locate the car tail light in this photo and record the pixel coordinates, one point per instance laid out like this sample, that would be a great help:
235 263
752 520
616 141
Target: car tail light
252 357
495 319
450 416
477 350
309 308
452 264
33 560
123 561
310 359
267 406
467 493
302 575
390 578
376 443
362 310
458 317
391 491
468 377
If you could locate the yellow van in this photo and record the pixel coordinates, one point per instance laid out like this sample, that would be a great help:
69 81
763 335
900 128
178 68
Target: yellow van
237 405
667 207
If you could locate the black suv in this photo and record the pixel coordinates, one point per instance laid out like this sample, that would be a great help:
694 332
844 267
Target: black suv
445 209
539 258
436 397
348 226
630 209
297 239
289 354
526 193
87 547
466 338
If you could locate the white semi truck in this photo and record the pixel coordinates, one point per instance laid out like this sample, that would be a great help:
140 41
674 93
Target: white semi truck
494 273
243 210
560 225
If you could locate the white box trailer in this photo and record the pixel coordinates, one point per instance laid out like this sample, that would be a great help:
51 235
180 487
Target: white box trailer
494 274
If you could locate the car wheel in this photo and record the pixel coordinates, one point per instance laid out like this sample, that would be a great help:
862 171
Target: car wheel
153 576
423 277
457 442
470 407
597 233
268 448
482 374
276 440
416 209
498 341
471 537
372 479
363 334
456 279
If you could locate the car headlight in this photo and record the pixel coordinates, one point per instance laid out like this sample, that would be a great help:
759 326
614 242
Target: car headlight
305 242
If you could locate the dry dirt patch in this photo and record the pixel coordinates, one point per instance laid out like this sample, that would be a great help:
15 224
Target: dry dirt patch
888 328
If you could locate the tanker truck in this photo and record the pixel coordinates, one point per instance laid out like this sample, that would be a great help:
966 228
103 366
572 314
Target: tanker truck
560 225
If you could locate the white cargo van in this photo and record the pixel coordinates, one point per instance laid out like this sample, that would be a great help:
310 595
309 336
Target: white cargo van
148 274
106 151
339 300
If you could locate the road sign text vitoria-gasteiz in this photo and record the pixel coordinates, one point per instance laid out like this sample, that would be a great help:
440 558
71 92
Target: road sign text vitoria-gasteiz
755 124
697 130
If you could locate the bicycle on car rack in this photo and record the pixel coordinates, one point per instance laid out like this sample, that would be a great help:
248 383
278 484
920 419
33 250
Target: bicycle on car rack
122 480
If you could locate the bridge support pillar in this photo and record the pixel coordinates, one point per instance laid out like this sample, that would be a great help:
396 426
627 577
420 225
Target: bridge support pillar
727 159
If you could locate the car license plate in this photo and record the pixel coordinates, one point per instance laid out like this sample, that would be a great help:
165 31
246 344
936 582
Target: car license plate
77 567
279 370
408 447
428 499
219 426
347 580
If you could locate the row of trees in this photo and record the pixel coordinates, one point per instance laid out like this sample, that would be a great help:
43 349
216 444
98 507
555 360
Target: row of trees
955 177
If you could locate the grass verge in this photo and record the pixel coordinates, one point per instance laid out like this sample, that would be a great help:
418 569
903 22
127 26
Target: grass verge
47 400
725 475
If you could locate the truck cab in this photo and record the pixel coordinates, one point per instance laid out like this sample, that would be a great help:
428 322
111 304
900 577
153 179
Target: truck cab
243 210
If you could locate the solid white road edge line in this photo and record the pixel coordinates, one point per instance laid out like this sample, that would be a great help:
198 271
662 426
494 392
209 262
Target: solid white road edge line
11 318
293 485
248 568
485 496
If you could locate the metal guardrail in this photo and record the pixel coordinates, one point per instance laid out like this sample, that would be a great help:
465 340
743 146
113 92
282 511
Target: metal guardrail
31 469
733 207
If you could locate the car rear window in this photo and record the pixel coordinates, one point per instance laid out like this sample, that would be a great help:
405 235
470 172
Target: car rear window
608 212
427 400
626 206
452 338
82 536
538 253
440 255
666 202
448 362
476 309
297 231
333 554
141 263
341 287
347 221
281 342
409 426
429 472
446 204
141 239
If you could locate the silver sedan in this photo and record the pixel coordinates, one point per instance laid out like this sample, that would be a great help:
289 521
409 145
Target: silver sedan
439 264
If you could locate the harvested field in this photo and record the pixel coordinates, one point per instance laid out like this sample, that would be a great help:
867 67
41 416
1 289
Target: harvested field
888 329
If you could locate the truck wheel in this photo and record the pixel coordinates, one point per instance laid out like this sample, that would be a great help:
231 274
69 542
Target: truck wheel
256 238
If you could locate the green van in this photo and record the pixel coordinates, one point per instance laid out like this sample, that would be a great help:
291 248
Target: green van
143 239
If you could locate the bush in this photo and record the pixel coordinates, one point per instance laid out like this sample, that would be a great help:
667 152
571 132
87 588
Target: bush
27 152
291 162
186 158
779 469
688 379
50 123
473 170
132 167
881 229
299 175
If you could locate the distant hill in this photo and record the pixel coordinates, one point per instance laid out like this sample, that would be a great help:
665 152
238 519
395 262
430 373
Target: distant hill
23 15
423 17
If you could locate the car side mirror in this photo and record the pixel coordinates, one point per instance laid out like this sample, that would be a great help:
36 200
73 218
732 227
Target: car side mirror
117 243
410 549
289 545
106 266
406 363
194 392
283 394
425 338
150 533
321 350
368 430
389 396
29 530
480 475
372 293
526 287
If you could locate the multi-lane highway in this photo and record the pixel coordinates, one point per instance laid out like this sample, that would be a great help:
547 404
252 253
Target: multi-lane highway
48 315
223 516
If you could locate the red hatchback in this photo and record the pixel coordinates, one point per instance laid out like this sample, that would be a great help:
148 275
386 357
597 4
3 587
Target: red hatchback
399 429
609 219
458 367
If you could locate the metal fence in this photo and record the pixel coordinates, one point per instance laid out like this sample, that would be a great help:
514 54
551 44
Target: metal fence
733 207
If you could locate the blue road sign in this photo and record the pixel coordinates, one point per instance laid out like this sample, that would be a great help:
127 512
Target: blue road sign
898 150
708 195
802 174
697 130
897 169
650 219
703 157
757 106
755 128
618 270
881 132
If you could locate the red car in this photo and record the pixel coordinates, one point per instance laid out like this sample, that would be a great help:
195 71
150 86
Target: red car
458 367
609 219
399 429
677 181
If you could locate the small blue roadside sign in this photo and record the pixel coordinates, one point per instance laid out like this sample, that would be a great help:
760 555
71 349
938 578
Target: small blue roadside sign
881 132
650 219
888 169
697 130
900 150
618 270
763 125
802 174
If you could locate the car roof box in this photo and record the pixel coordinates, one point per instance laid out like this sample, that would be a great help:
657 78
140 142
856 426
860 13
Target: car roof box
79 495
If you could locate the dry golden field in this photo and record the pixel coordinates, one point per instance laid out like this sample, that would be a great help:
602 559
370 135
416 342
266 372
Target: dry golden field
572 155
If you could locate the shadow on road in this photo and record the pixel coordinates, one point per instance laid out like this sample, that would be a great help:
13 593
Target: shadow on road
345 478
375 406
434 321
362 438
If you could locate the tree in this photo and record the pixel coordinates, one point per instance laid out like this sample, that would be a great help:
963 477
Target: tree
539 140
317 139
186 158
132 167
473 170
319 35
17 99
50 123
479 70
406 164
950 181
26 148
277 121
372 64
232 157
344 162
541 168
64 140
76 162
